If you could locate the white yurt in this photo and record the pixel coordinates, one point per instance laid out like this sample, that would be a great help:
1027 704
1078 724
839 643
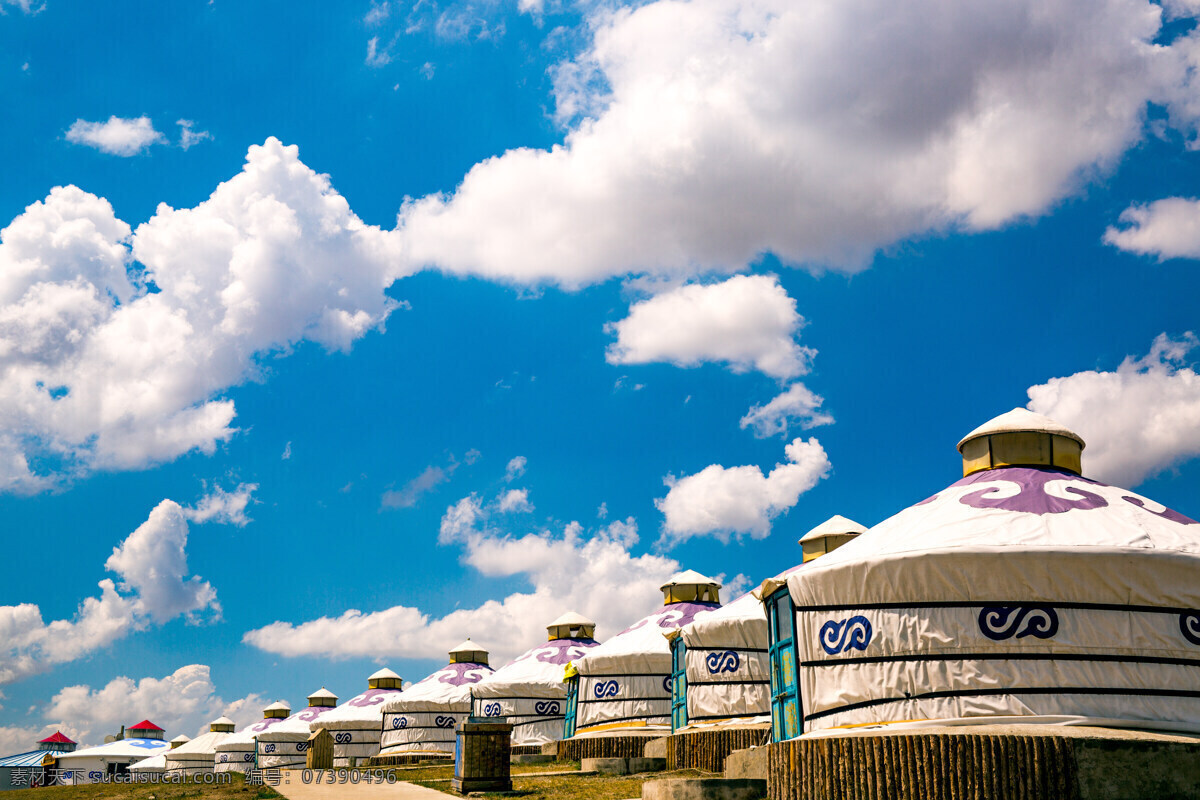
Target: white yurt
1023 592
91 764
286 744
529 691
421 719
155 765
624 685
357 724
199 755
235 753
725 676
28 770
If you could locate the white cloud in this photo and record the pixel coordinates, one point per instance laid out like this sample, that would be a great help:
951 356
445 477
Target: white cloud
515 468
1168 228
118 136
721 500
596 575
377 57
515 501
28 6
718 130
1138 420
223 506
797 405
427 70
379 12
287 452
188 136
748 322
412 492
99 372
183 702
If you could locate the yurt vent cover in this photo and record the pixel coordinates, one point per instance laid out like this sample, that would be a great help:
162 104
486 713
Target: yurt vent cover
384 679
179 741
1021 438
57 743
829 536
690 587
144 730
468 653
322 698
278 710
571 626
221 725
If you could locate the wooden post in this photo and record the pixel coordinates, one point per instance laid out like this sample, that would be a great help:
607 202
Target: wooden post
320 750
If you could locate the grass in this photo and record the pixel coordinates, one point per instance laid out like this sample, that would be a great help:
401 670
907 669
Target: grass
235 790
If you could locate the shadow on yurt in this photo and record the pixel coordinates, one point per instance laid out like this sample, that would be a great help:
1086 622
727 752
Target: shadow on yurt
356 725
236 753
1023 594
529 691
419 722
199 755
619 693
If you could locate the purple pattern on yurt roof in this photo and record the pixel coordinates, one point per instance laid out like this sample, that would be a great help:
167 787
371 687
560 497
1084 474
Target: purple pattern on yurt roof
461 673
310 713
263 724
559 651
371 697
1166 513
672 616
1031 495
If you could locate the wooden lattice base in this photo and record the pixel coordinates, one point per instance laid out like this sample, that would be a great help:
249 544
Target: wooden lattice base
603 747
406 760
527 750
706 749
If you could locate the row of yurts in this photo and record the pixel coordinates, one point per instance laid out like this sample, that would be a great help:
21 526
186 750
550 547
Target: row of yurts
1023 592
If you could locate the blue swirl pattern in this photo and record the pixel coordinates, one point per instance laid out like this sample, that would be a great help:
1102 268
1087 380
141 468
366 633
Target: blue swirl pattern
999 623
491 710
838 636
546 707
444 722
1189 626
724 661
605 689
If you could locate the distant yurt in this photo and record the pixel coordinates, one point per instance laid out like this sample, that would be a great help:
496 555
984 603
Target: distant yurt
719 666
91 764
235 753
199 755
529 692
24 770
623 687
421 719
357 724
155 765
286 744
1023 592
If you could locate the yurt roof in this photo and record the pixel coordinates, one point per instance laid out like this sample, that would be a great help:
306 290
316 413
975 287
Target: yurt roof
204 744
452 683
642 647
538 672
30 759
296 723
56 738
572 620
365 707
278 705
323 694
689 577
468 647
835 525
153 764
732 625
247 734
222 721
1020 420
124 748
144 725
181 739
382 674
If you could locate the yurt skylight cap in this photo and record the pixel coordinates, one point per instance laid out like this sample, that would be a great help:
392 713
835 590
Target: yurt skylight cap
690 586
222 725
56 742
1021 438
383 679
468 653
145 730
322 698
829 536
179 741
571 626
277 710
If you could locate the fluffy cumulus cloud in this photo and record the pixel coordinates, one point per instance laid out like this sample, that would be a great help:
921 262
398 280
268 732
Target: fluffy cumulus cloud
1139 419
709 132
797 405
592 573
183 702
152 587
719 501
748 322
118 136
515 501
115 345
1168 228
515 468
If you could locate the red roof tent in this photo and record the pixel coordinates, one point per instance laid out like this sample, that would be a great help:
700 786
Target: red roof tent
144 725
57 738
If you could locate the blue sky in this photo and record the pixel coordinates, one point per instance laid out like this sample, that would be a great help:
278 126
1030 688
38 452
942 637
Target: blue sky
511 348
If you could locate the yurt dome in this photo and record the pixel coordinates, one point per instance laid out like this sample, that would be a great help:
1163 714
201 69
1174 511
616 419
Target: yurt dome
235 753
179 740
285 744
199 755
57 743
422 718
356 725
91 764
155 765
529 691
624 685
720 671
1022 592
27 770
144 730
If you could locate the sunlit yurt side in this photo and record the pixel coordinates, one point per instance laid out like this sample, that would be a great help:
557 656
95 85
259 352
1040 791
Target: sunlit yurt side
421 719
286 744
199 755
529 692
236 752
91 764
356 725
624 685
1023 592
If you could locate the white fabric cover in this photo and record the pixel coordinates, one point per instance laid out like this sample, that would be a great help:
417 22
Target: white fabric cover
627 679
356 725
286 744
91 763
196 756
153 764
236 752
529 691
975 593
422 718
728 672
